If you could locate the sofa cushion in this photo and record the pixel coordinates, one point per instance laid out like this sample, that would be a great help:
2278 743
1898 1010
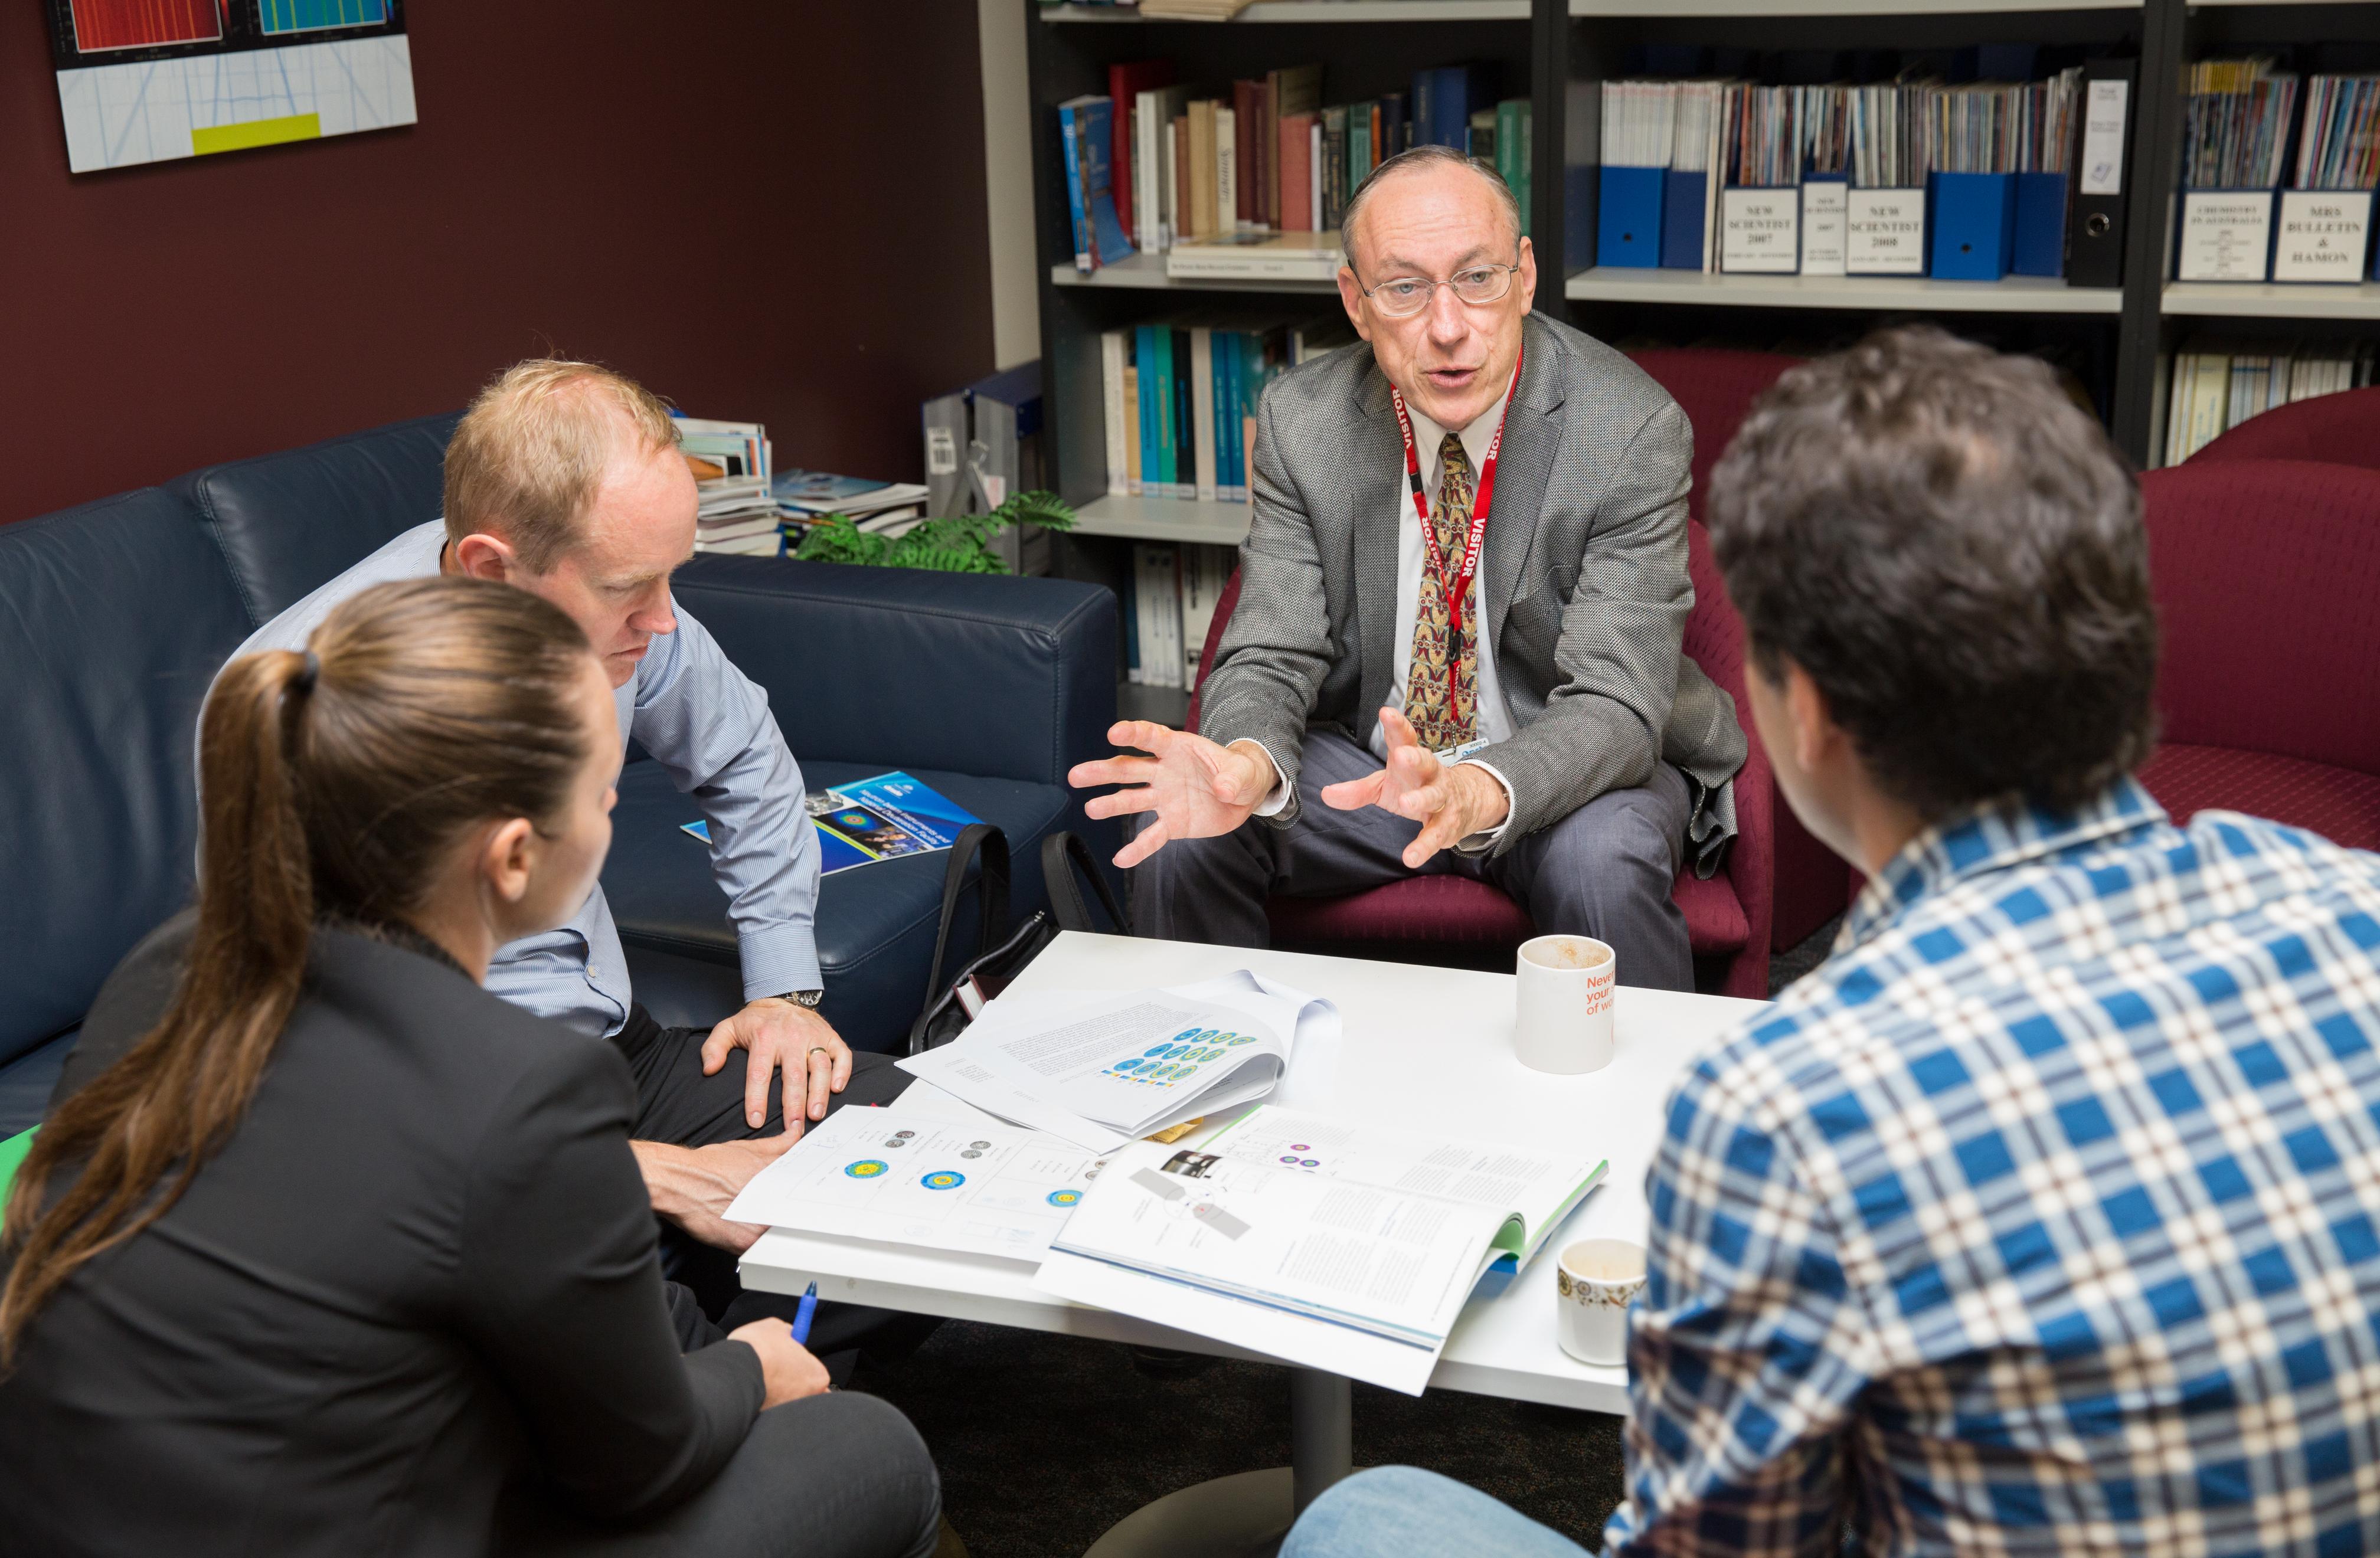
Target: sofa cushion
113 618
287 524
875 922
26 1083
2339 804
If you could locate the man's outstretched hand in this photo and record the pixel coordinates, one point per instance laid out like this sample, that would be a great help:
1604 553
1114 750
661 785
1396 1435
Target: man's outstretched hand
1452 801
1196 789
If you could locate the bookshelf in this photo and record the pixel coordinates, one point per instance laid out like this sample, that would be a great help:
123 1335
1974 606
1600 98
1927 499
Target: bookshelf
2271 300
1147 272
2127 335
2016 294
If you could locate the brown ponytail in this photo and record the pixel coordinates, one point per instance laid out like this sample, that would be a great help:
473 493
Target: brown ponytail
334 781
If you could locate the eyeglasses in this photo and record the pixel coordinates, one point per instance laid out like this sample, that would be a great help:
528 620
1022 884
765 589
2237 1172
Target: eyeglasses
1474 284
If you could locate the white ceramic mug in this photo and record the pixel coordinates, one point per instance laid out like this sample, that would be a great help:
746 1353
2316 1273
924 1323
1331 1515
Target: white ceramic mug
1597 1279
1562 1004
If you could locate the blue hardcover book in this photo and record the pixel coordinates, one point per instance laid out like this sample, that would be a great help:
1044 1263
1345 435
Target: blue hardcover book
1681 219
2040 246
1628 218
1429 110
1096 118
1070 136
1230 440
1144 360
1972 226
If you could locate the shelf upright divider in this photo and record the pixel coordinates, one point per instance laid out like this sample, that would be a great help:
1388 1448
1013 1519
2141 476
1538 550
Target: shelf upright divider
2149 175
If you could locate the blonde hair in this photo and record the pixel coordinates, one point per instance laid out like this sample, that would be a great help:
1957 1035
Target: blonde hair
531 453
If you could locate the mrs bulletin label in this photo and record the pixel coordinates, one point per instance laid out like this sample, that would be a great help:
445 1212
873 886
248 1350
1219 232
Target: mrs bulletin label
2325 235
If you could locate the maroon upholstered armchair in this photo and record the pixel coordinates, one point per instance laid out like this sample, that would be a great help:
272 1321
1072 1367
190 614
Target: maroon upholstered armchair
1458 919
1715 390
2342 429
2267 574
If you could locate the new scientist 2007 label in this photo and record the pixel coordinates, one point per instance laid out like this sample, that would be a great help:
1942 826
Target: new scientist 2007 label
1759 229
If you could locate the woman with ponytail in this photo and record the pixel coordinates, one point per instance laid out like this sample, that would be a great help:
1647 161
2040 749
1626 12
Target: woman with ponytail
322 1249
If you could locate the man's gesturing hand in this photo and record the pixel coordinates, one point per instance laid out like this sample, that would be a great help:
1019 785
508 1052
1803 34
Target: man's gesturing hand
780 1033
1451 801
1196 789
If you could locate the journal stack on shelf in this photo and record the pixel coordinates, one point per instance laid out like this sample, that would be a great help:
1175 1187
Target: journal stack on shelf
2238 223
2217 384
735 511
1176 590
1245 182
1909 177
1181 401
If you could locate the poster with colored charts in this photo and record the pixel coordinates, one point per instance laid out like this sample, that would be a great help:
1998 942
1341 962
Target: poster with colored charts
909 1178
153 81
875 819
1180 1058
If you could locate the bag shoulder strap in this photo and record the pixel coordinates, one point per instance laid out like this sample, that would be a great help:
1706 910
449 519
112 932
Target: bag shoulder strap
1064 857
992 896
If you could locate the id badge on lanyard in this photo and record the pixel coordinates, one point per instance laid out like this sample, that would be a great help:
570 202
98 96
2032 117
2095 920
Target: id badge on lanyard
1457 591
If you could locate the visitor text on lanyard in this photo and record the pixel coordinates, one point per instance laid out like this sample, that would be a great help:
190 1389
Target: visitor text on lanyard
1457 591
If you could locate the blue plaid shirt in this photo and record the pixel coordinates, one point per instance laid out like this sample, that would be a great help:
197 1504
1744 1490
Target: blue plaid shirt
2044 1218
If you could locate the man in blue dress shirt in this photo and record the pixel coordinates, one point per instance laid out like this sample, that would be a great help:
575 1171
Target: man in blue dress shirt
2045 1218
564 479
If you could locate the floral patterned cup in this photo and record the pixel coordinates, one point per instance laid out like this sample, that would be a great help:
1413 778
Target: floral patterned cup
1597 1279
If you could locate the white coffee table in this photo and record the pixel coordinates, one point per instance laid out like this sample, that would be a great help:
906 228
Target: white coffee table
1425 1048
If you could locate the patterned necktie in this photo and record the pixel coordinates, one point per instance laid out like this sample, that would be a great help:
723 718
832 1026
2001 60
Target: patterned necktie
1444 721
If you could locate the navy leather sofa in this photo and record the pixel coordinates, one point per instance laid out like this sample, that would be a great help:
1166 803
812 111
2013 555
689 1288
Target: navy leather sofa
114 616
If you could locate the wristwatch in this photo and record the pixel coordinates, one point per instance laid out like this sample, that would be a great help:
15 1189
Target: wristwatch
806 998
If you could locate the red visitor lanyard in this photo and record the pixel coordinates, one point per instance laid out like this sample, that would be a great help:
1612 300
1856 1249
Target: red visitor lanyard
1458 596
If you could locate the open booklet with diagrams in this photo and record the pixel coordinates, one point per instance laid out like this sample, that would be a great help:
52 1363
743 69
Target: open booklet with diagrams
1344 1247
1101 1071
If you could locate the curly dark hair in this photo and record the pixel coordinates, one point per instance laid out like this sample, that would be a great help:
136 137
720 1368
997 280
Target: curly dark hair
1952 550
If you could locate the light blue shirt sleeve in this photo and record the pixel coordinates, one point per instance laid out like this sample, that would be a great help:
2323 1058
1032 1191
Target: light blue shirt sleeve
709 724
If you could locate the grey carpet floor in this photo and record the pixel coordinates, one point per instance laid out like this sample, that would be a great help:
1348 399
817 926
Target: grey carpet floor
1045 1441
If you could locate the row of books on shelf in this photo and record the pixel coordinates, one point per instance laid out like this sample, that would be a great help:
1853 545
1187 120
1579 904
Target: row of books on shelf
1169 608
1907 177
2252 212
1248 181
1181 401
2216 385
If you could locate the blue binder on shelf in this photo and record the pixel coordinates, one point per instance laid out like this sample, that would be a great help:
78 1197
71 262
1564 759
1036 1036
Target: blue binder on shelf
1682 195
1628 218
2040 248
1971 229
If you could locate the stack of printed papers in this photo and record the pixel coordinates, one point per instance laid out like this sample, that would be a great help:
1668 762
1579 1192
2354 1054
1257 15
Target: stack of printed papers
1101 1070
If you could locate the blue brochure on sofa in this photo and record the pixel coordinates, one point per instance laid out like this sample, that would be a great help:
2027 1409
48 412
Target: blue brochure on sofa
876 819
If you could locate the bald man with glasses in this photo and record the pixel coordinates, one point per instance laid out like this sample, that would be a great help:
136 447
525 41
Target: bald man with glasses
1457 648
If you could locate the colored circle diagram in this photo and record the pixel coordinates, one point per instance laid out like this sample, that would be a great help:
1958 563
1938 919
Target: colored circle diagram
866 1169
944 1179
1064 1198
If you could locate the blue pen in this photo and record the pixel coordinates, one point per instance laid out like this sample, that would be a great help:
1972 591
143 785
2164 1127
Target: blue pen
803 1316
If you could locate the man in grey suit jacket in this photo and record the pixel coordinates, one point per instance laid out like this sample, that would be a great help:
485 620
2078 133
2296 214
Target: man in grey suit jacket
1462 640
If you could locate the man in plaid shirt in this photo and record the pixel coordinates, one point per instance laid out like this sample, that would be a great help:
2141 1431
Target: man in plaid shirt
2045 1218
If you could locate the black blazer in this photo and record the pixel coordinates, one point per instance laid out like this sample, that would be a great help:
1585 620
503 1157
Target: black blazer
423 1267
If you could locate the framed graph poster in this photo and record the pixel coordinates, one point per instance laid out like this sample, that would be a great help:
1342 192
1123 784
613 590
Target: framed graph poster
149 80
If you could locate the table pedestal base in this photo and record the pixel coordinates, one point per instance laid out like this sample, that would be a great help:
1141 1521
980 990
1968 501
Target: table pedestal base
1245 1516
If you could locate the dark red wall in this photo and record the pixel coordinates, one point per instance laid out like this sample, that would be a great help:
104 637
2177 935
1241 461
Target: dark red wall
762 209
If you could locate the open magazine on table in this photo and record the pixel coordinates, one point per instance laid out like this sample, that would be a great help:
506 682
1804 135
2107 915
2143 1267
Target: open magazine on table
1341 1246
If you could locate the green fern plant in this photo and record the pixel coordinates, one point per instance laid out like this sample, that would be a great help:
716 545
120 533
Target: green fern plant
959 544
